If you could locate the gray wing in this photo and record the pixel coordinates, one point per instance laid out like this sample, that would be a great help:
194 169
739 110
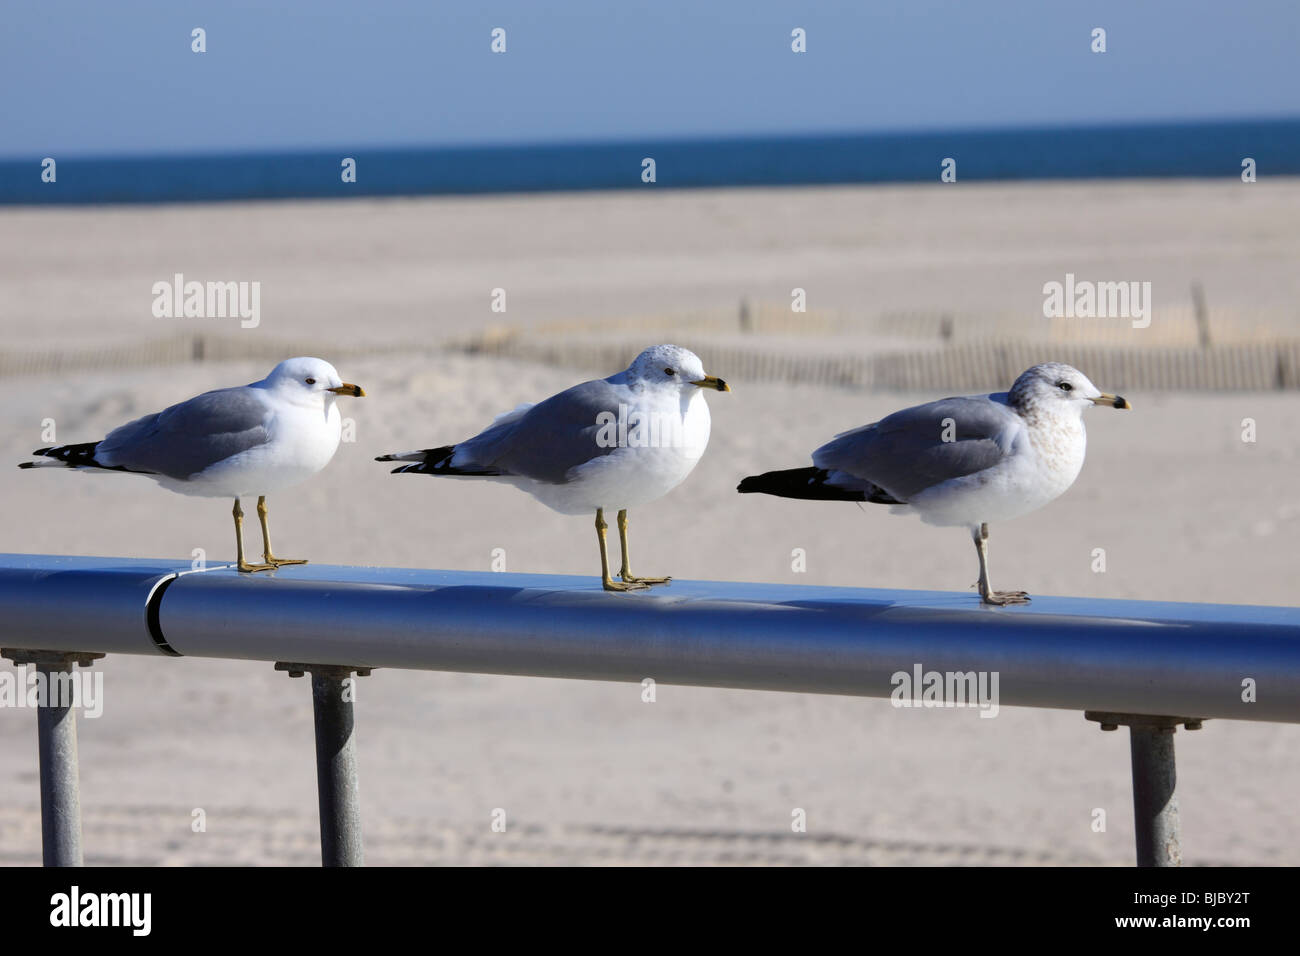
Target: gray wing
905 453
550 439
186 438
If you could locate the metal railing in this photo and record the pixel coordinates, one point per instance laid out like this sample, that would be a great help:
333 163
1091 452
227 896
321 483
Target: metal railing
1147 665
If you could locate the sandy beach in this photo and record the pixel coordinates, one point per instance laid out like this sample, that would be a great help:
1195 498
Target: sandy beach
587 773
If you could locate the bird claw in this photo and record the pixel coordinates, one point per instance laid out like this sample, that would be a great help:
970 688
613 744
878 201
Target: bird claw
648 582
1003 598
612 585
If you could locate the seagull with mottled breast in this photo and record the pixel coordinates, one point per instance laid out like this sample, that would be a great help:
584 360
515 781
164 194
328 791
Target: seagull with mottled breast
960 461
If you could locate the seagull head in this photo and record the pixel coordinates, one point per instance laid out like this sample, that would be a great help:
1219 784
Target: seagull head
1058 388
309 379
671 366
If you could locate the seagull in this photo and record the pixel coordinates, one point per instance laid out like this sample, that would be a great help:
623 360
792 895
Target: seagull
229 443
959 461
610 444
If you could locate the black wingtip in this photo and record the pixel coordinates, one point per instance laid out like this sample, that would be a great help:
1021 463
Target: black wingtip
810 483
27 464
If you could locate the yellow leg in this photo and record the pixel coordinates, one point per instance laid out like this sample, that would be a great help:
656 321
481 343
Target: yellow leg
626 572
243 565
267 556
609 583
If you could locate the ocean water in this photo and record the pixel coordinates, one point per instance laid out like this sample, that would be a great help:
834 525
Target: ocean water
1208 149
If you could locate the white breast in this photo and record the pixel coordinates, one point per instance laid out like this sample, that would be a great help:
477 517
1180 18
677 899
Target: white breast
636 474
302 441
1044 463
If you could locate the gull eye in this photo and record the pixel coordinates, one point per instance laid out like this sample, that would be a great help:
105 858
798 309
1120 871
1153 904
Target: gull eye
311 381
669 371
1065 386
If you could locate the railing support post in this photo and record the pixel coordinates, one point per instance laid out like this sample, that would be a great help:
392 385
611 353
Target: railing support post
1155 796
332 694
1155 783
56 733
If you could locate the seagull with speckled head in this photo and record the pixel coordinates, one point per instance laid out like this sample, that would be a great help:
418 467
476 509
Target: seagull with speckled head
959 461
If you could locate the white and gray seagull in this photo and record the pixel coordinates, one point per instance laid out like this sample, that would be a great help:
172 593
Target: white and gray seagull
229 443
960 461
614 443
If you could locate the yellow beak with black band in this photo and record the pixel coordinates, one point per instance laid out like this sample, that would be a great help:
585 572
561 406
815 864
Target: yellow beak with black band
1114 401
356 391
712 381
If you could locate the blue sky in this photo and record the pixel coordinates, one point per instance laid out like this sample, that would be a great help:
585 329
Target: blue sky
97 78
